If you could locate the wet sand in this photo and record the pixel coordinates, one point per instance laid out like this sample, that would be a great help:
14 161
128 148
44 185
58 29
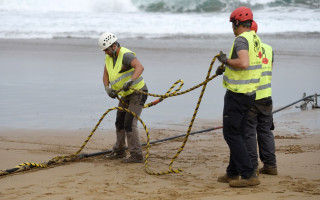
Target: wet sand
57 83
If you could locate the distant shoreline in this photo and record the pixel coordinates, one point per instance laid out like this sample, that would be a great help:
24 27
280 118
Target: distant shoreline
179 36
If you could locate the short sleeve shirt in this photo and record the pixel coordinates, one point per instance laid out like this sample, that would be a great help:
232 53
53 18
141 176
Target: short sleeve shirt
126 60
240 43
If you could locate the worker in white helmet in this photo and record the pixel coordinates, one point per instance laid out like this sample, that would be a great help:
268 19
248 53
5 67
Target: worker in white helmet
123 71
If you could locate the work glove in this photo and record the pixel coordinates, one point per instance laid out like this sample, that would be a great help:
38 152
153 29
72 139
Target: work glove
127 84
111 92
223 58
220 70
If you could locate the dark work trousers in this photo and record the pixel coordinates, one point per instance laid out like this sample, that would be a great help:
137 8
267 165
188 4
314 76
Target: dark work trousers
259 124
235 111
126 123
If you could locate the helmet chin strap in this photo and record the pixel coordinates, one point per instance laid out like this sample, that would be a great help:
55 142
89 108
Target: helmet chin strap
114 52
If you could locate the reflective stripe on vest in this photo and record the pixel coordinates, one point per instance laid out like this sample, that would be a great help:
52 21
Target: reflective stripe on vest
126 75
261 87
240 82
249 68
117 79
121 77
264 88
267 73
245 80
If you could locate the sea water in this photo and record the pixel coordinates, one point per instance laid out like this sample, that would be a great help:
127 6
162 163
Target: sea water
149 18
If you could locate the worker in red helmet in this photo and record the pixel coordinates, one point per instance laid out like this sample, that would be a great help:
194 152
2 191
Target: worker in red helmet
242 71
260 118
254 26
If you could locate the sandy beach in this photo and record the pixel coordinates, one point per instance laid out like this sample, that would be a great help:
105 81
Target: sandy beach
203 159
52 96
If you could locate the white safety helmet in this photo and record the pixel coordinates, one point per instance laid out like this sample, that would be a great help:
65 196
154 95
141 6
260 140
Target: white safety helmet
106 40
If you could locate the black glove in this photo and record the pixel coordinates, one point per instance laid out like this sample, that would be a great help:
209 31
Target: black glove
111 92
127 85
220 70
223 58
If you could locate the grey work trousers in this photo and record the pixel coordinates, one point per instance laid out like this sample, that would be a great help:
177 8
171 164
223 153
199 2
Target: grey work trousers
126 123
259 123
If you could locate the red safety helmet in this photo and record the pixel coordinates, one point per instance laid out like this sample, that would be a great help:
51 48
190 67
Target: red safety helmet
254 26
241 14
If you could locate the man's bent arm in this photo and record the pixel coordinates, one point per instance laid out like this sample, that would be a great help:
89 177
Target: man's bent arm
242 62
138 68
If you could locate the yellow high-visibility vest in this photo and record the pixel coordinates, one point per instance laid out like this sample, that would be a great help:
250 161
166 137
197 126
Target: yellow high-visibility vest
264 88
117 79
245 80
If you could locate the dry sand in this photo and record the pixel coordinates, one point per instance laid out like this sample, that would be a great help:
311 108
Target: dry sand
204 157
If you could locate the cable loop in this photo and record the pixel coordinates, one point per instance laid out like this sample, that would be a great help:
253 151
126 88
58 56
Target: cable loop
75 156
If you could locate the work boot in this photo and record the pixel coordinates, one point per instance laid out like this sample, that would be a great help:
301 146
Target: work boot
245 182
226 179
267 169
257 171
116 154
133 159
